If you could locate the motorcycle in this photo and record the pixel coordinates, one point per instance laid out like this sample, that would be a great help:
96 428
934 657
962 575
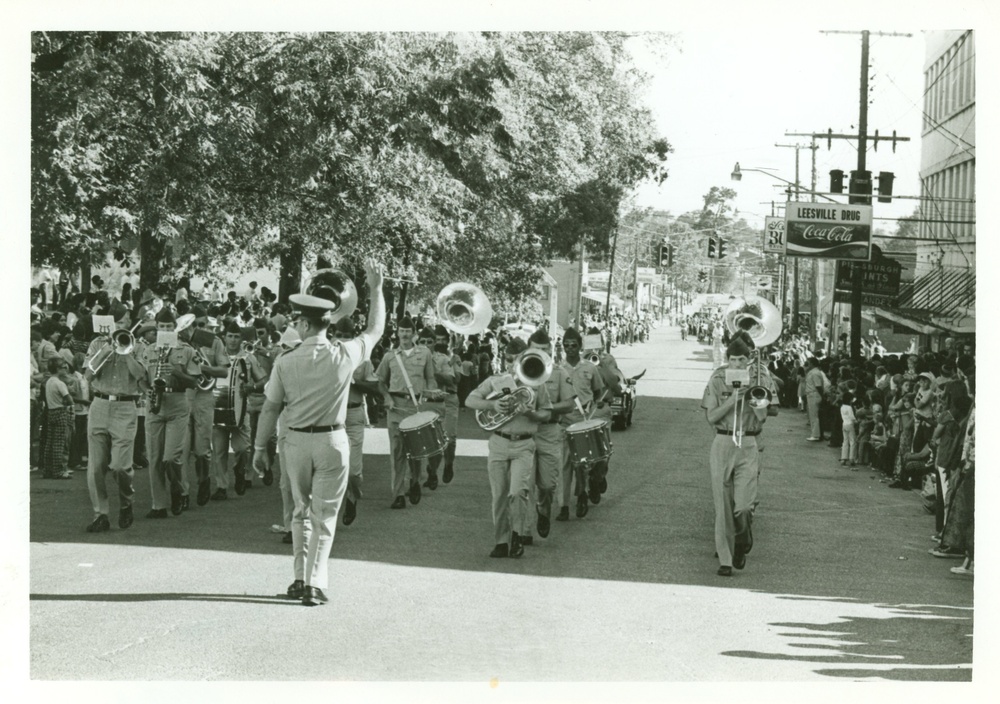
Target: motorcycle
623 404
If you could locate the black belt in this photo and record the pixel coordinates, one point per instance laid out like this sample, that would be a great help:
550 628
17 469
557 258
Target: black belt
514 437
730 432
550 422
359 404
114 397
399 394
318 428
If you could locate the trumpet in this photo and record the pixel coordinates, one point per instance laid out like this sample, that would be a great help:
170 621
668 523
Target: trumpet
594 358
121 341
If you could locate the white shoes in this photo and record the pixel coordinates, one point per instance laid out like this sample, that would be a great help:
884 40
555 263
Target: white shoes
962 569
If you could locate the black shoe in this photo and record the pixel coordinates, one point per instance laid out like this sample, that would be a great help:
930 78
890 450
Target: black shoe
516 547
501 550
99 525
527 540
432 481
268 477
241 482
603 485
543 526
287 538
219 495
748 538
296 589
581 506
739 556
415 493
185 503
350 512
157 513
449 474
399 502
204 491
725 571
563 515
125 517
176 501
314 596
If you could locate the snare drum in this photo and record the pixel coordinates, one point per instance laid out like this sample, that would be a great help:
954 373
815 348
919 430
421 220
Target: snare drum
423 435
589 441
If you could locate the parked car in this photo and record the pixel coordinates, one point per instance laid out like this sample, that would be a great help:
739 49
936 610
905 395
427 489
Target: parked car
623 405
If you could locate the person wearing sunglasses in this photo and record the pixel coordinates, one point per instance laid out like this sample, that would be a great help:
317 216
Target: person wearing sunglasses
312 382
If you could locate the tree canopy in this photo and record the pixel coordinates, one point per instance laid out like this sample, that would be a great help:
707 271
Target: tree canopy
477 156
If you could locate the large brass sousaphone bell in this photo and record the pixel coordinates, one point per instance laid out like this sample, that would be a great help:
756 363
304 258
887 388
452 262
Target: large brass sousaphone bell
761 320
464 308
329 289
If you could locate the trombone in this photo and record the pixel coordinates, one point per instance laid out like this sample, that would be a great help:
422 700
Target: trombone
122 342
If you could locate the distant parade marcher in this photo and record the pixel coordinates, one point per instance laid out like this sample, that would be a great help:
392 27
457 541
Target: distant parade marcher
445 361
112 426
312 382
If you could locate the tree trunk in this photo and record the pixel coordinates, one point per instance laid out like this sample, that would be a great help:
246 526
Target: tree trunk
290 278
151 251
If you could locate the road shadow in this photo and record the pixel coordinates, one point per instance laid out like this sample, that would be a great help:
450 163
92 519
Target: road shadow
910 642
276 599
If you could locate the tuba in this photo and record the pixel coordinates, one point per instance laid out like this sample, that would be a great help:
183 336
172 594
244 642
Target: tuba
464 308
532 368
332 286
761 320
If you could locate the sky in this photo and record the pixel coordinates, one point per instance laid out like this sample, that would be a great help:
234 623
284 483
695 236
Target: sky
728 96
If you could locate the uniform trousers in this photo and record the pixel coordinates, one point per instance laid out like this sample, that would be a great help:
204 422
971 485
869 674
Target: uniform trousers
285 484
510 467
198 439
355 426
317 465
812 407
733 472
549 443
111 431
166 432
222 438
404 472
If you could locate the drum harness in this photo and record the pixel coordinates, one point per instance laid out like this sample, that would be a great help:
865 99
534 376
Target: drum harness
406 378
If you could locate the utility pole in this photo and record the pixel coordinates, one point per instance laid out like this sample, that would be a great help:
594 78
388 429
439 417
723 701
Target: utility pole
860 184
795 262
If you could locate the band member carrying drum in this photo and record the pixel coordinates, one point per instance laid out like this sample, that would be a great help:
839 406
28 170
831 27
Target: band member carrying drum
231 424
511 462
405 376
363 382
312 381
588 386
447 367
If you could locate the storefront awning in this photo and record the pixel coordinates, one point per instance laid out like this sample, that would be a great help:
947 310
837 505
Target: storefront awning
942 299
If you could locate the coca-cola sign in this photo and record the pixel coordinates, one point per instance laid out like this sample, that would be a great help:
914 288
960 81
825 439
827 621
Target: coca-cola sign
828 231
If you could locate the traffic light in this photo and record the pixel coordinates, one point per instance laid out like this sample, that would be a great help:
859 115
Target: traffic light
885 179
861 188
711 248
670 255
836 181
666 255
702 277
722 249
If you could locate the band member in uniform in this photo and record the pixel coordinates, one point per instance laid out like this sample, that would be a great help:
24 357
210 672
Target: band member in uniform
612 377
425 340
363 382
312 381
264 352
511 460
171 370
116 382
214 365
223 433
588 386
733 467
405 375
447 369
549 438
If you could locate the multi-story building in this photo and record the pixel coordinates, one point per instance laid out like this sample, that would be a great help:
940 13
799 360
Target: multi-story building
940 302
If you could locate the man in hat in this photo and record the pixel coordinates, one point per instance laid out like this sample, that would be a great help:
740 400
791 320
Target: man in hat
312 381
588 386
447 370
363 382
405 376
172 370
214 366
511 450
733 467
111 427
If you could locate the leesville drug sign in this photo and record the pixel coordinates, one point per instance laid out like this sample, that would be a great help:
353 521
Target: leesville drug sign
828 231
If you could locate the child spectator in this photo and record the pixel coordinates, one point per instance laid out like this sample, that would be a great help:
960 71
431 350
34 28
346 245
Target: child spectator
848 448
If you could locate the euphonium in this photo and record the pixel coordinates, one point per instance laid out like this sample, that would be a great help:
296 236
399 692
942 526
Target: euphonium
532 368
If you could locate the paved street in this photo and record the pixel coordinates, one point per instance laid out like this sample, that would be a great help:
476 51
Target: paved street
839 585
